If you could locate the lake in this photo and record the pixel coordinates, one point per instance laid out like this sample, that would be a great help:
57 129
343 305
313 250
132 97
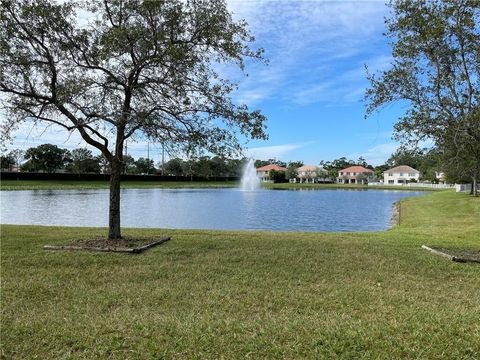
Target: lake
228 209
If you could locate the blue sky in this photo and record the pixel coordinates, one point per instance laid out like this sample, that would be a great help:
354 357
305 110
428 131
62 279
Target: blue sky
312 89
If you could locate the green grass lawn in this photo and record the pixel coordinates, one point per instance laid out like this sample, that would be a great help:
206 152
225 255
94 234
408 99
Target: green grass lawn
222 294
72 184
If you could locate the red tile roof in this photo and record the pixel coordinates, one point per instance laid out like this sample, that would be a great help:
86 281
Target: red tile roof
271 167
357 169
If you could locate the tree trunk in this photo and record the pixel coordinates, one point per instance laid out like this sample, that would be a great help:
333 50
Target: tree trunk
474 186
114 213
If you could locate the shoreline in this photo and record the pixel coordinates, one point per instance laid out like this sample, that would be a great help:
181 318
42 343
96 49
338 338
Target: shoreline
396 214
18 185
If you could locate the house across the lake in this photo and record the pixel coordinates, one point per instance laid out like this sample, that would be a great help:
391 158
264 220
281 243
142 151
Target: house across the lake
440 176
311 174
400 175
355 175
263 173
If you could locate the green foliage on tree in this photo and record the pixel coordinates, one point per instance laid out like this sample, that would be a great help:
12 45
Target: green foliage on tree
144 166
292 169
362 162
218 166
461 150
260 163
18 155
380 169
295 164
6 161
174 167
333 167
83 161
47 157
128 165
436 72
291 172
277 176
202 167
134 67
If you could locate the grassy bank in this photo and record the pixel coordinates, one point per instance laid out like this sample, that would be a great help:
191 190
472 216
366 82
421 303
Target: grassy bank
66 185
212 294
71 184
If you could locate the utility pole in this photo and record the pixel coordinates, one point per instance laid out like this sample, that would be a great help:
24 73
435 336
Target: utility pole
126 153
163 158
148 157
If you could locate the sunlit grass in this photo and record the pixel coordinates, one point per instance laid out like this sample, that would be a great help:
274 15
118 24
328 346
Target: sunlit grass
214 294
73 184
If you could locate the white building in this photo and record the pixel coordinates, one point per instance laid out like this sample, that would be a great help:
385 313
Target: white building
263 173
355 175
311 174
400 175
440 176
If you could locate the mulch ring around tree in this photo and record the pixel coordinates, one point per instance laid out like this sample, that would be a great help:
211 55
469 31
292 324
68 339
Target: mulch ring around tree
129 245
453 254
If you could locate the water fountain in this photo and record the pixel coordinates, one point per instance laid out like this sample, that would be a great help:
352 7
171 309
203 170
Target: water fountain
250 180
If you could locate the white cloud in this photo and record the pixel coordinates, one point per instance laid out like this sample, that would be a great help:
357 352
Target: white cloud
342 88
377 154
323 36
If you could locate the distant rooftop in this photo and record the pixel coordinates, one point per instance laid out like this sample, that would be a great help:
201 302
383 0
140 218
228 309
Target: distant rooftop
271 167
309 168
356 169
402 169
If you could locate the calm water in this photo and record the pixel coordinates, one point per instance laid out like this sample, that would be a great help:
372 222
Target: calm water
324 210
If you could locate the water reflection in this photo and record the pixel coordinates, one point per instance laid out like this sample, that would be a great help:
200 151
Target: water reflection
325 210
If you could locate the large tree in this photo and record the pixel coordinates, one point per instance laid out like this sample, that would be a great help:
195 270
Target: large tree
83 161
6 161
174 167
114 69
436 72
461 150
144 166
47 157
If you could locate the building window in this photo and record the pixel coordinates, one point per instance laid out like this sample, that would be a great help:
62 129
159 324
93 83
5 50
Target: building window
411 175
390 174
401 174
391 181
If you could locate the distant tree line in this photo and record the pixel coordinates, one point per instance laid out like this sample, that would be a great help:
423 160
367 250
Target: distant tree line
51 158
